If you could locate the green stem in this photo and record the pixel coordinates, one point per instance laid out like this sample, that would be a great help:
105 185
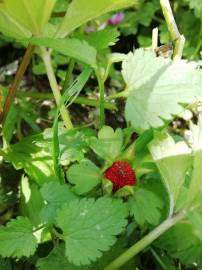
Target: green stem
144 242
176 37
158 259
78 100
18 77
102 98
122 94
69 74
54 86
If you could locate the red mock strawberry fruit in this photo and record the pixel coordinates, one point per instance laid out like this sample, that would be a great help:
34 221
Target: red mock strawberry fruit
120 174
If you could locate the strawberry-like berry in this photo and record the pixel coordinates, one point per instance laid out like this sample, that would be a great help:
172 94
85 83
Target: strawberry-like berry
120 174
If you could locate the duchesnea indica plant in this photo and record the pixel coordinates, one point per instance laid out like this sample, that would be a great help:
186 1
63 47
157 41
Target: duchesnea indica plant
101 198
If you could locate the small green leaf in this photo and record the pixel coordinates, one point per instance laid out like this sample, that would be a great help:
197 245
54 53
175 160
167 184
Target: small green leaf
89 227
74 48
109 143
80 12
145 206
17 239
55 196
157 87
173 160
101 39
23 18
84 176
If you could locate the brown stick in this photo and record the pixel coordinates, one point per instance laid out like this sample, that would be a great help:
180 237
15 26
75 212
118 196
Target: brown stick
18 77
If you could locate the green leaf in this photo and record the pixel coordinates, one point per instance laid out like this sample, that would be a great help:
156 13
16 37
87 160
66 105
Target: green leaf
30 201
23 18
84 176
146 206
196 5
80 12
17 239
195 218
55 196
109 143
74 48
101 39
90 227
196 180
156 86
33 154
173 160
181 242
57 260
73 143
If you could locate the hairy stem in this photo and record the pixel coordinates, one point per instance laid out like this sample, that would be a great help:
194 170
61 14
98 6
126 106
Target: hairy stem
144 242
54 86
18 77
176 37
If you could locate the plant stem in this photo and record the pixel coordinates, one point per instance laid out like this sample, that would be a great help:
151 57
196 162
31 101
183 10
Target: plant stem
144 242
122 94
69 74
176 37
18 77
102 98
54 86
78 100
154 38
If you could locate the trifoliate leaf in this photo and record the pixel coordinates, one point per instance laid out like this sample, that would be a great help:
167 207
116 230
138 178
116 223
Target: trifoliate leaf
89 227
156 88
84 176
146 206
55 196
109 143
57 260
173 160
17 239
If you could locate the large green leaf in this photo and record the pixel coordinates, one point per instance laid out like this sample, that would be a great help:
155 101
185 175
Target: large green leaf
156 86
17 239
74 48
90 227
173 160
80 12
23 18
